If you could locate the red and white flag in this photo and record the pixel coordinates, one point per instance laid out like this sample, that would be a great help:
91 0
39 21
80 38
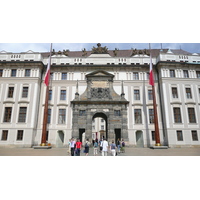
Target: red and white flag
47 75
151 78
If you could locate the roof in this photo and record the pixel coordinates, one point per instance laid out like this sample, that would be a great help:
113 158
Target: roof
123 53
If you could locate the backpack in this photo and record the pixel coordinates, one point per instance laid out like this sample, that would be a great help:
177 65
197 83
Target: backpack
95 144
113 146
123 144
86 144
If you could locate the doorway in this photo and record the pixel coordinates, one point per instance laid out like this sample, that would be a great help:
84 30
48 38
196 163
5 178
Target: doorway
100 125
117 134
139 139
60 139
81 135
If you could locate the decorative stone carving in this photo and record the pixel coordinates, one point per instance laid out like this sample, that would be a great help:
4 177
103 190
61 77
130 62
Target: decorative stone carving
100 93
99 49
65 52
84 52
144 52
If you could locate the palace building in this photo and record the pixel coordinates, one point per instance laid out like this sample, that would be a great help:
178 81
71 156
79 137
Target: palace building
100 93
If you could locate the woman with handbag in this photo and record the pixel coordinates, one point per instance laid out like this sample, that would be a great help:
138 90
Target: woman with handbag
87 146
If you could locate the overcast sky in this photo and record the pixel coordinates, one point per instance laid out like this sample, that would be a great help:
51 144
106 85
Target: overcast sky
45 47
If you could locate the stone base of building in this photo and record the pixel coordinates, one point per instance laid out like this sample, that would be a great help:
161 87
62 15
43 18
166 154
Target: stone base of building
42 147
159 147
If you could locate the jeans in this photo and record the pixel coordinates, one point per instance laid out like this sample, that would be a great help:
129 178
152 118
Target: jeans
72 151
95 151
113 152
118 146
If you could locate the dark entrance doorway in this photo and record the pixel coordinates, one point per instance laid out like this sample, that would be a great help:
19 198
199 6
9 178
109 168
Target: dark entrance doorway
117 134
104 117
81 131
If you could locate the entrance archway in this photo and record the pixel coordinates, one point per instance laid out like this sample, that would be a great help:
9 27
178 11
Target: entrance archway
103 132
100 101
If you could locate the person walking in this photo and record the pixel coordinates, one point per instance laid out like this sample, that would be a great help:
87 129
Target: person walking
69 147
96 147
123 146
100 145
118 145
72 145
113 148
78 147
87 146
104 145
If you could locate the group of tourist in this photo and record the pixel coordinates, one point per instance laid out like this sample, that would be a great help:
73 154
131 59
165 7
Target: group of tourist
75 147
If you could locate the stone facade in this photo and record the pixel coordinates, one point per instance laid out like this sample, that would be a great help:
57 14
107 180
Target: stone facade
100 100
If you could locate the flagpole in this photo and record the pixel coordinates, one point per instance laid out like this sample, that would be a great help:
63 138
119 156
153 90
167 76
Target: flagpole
45 118
157 135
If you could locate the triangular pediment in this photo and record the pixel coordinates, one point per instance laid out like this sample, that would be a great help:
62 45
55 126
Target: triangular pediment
100 73
30 51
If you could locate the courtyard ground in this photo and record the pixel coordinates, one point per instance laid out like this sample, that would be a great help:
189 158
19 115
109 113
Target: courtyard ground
128 152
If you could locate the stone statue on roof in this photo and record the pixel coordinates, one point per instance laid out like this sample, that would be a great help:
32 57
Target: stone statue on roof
99 49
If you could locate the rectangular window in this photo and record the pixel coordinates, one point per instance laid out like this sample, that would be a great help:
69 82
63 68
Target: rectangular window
50 95
20 134
63 95
148 75
174 92
194 136
172 73
117 113
138 116
7 115
102 120
102 127
27 72
4 135
179 135
51 76
62 116
185 74
49 116
188 93
135 76
191 115
198 74
153 135
13 72
82 112
10 92
64 76
150 95
136 95
22 114
25 92
151 116
177 115
1 72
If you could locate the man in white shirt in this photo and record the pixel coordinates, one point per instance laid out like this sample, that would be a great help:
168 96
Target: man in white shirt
104 144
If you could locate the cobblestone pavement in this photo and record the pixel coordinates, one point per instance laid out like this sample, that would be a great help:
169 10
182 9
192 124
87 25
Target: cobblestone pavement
128 152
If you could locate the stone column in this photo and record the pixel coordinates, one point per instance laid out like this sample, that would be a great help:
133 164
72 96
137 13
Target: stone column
75 130
124 131
88 131
111 126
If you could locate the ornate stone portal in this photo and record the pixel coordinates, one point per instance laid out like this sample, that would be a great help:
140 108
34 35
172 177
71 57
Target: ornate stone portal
100 100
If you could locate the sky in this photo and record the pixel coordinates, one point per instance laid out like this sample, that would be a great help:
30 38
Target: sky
45 47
